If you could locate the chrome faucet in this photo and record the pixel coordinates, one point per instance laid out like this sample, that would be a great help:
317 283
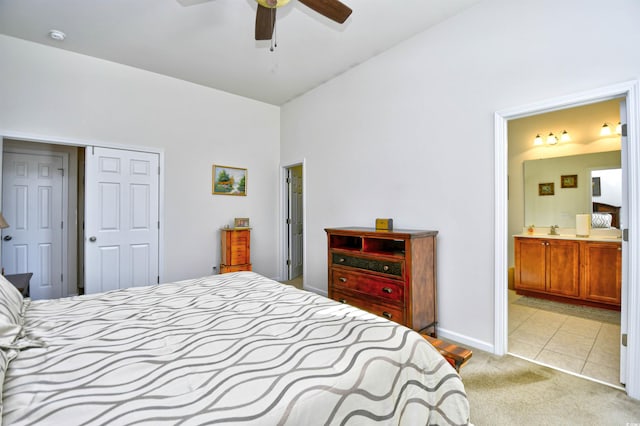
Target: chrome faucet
553 230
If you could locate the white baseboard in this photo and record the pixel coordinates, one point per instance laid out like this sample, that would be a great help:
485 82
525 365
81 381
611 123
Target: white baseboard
465 340
317 291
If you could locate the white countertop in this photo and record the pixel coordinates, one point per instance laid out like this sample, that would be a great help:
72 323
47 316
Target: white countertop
594 237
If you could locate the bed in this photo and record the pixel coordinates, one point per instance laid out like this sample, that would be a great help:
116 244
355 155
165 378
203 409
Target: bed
236 348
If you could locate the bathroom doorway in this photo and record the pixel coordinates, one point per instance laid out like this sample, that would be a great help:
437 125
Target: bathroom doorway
630 296
578 339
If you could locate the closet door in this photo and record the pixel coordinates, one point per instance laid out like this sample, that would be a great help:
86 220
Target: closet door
121 219
32 200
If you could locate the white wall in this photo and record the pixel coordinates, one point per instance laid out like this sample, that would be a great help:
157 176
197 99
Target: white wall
56 95
610 191
409 134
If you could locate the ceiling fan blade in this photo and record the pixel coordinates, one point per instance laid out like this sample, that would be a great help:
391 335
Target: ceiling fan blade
265 21
332 9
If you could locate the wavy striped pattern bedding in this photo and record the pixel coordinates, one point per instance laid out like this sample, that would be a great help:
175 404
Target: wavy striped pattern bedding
235 348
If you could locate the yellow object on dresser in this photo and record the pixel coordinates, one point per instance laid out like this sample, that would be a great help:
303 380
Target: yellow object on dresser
235 253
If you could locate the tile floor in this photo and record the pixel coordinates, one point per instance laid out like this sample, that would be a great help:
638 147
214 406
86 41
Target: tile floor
571 343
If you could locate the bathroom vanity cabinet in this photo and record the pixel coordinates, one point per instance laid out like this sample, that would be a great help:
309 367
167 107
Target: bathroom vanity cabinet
570 270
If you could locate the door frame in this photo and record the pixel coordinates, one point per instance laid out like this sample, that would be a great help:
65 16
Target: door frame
630 90
68 266
282 219
56 140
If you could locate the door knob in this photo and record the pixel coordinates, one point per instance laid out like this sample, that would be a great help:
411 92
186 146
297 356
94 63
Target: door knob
92 239
7 237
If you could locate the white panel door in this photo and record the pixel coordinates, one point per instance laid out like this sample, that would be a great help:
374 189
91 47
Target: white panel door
32 205
121 219
295 222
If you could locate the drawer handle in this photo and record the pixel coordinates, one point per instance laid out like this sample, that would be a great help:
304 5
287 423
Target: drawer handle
385 268
341 260
342 300
387 290
342 279
387 315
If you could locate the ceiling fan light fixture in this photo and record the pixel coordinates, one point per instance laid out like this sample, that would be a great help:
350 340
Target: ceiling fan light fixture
271 4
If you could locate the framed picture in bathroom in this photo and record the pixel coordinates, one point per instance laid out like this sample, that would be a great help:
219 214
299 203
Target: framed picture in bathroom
569 181
595 186
546 188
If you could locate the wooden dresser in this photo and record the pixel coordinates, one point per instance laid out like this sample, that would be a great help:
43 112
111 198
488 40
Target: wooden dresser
388 273
235 254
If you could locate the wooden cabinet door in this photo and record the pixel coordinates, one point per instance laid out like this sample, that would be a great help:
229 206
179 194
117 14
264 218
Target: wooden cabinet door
603 272
563 267
530 259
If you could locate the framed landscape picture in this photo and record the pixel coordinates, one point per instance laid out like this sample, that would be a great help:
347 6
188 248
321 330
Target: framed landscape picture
546 188
229 180
569 181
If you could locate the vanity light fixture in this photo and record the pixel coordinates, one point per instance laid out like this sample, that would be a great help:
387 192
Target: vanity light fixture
619 128
605 130
538 140
551 139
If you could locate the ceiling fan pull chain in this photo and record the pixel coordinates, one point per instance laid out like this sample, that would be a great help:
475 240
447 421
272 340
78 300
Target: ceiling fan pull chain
274 41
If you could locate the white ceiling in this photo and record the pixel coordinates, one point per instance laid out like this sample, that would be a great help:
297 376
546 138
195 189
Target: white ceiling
211 42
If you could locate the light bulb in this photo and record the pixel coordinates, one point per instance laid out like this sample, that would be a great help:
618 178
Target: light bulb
564 137
605 130
551 139
538 140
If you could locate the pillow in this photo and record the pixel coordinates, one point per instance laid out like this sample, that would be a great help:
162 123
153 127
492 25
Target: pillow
11 302
601 220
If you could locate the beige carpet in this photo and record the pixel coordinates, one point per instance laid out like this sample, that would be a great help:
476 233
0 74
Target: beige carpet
510 391
296 282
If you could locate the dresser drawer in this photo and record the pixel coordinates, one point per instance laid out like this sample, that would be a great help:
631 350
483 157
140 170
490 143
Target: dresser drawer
390 312
239 255
376 265
372 285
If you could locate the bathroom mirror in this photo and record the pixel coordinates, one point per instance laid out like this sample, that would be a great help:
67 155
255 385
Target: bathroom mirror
572 190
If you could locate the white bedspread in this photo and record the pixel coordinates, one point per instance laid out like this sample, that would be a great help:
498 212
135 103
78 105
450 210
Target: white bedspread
227 349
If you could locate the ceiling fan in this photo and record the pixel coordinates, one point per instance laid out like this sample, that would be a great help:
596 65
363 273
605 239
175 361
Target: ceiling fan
266 13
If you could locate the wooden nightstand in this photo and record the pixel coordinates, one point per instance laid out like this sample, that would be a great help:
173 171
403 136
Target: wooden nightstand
21 282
